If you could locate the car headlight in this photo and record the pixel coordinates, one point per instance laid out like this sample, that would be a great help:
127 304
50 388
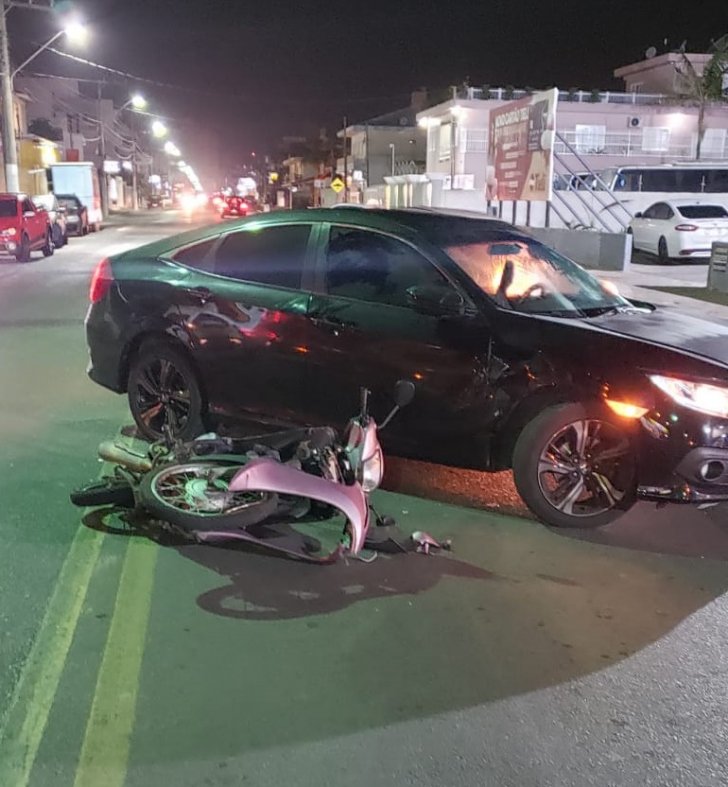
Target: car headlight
372 470
703 397
10 231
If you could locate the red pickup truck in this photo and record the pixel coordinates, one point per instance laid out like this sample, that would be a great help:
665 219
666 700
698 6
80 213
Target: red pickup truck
24 227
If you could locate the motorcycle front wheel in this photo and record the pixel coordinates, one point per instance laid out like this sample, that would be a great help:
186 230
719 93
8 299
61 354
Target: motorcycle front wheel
195 496
105 492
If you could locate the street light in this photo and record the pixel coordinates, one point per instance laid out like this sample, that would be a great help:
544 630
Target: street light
75 32
159 129
171 149
137 101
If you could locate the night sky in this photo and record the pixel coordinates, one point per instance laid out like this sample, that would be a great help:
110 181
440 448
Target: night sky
254 71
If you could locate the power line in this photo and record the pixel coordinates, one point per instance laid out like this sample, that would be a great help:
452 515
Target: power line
198 91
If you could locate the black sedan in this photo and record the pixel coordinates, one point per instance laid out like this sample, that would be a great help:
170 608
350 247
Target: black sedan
520 357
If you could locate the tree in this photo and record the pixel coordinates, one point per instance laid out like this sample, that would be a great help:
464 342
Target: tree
706 88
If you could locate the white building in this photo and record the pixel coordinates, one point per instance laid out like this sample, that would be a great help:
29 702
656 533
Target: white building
594 131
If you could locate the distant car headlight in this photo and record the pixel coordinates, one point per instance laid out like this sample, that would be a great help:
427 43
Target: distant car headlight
372 470
703 397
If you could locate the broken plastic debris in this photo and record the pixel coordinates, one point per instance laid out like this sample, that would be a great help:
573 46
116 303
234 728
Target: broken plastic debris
426 542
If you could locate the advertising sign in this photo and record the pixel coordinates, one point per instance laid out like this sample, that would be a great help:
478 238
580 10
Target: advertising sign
520 155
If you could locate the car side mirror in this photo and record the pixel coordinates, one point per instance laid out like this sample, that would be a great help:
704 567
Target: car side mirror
28 214
436 300
404 393
639 215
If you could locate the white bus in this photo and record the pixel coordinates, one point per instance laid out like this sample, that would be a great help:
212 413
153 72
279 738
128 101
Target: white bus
618 193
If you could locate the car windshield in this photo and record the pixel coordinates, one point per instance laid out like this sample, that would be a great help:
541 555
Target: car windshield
542 280
68 202
8 208
43 201
703 211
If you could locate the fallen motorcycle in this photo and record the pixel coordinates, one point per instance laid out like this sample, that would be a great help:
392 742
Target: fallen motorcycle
217 488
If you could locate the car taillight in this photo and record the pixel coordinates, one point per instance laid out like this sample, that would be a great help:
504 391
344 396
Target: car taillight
686 228
101 281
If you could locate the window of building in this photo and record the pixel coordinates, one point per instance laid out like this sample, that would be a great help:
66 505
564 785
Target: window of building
590 139
475 140
655 139
445 142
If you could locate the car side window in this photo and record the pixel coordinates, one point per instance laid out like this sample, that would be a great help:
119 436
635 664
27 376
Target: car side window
197 256
669 212
273 256
650 212
369 266
28 205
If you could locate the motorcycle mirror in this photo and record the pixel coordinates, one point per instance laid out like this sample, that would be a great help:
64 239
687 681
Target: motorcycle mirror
404 392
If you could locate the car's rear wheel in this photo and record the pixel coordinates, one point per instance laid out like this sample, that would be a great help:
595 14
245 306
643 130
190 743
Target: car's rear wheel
48 248
663 255
164 391
22 253
574 465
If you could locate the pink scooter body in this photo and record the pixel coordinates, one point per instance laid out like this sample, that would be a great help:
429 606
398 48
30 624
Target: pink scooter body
267 475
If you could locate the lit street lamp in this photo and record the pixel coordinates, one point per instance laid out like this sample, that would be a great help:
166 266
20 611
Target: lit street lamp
75 32
159 129
171 149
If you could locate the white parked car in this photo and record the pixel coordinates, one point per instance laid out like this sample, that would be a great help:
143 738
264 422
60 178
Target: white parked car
57 216
679 229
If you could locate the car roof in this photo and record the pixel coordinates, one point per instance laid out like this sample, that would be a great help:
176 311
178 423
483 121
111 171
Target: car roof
435 226
680 203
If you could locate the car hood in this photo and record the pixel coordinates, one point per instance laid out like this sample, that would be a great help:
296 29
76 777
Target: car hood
7 222
671 329
661 340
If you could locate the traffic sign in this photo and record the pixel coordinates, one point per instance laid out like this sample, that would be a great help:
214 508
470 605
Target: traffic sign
337 184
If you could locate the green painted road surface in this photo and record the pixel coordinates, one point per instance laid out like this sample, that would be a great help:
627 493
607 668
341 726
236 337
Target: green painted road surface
523 657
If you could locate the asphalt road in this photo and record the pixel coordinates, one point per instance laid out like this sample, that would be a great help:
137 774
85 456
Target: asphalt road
525 657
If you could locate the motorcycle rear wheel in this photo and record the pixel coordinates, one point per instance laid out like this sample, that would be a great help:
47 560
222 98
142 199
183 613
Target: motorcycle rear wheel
194 496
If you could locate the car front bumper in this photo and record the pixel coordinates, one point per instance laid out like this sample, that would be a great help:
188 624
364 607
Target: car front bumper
683 460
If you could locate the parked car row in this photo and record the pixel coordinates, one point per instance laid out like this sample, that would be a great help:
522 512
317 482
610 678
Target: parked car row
41 223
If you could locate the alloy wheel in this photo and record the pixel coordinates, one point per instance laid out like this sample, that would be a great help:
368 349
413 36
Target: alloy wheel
162 396
586 468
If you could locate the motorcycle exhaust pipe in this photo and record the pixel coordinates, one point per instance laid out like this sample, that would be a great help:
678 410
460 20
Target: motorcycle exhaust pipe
110 451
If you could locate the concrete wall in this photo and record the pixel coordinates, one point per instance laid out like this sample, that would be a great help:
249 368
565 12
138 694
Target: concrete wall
596 250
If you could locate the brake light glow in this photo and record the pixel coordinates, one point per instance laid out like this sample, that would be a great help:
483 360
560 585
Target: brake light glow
686 228
101 281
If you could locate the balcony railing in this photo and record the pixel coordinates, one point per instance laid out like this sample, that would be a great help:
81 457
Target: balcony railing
634 143
568 96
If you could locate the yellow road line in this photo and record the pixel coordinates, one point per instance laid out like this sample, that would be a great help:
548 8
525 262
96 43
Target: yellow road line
27 714
105 750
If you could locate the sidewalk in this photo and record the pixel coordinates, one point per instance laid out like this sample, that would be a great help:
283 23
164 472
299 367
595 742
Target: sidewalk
633 283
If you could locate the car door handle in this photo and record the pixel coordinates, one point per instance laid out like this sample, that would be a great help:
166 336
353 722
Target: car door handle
331 323
200 294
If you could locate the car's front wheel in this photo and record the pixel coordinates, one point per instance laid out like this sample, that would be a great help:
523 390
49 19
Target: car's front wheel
574 465
163 391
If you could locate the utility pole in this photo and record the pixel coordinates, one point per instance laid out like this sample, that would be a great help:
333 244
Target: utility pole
7 126
346 162
10 143
134 182
102 151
